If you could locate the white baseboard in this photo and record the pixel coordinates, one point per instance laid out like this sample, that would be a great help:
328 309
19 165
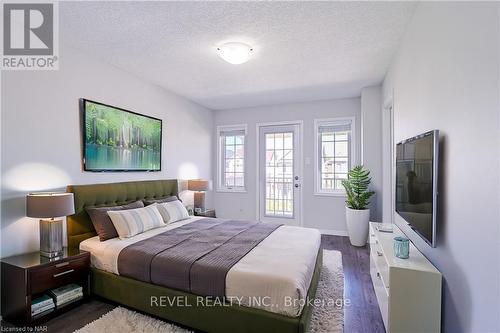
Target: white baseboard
333 232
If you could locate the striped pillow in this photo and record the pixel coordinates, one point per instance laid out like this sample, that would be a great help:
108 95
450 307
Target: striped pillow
131 222
173 211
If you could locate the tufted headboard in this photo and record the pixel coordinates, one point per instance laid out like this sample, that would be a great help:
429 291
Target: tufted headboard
79 225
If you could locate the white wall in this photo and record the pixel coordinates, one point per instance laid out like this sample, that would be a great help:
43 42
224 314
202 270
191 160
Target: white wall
41 138
498 130
322 212
446 76
387 159
371 144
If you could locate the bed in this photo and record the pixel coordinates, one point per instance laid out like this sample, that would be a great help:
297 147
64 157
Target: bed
284 278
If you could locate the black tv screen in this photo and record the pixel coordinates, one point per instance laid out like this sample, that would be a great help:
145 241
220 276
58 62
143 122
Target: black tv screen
416 183
115 139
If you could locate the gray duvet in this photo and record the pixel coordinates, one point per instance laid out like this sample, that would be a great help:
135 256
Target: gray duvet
195 257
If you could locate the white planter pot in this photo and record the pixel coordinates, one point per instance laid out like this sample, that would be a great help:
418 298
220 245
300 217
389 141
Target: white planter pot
357 225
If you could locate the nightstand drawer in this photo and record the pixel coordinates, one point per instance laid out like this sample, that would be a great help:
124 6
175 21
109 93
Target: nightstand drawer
58 274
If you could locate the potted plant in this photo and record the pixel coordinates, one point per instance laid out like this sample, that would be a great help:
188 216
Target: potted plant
357 213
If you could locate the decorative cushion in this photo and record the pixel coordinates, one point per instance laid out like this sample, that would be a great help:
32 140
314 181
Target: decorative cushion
173 211
101 221
148 202
131 222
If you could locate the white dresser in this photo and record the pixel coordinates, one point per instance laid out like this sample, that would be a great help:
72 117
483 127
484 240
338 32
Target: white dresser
408 290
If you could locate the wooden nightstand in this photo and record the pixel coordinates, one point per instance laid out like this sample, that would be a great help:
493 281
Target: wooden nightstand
28 276
206 213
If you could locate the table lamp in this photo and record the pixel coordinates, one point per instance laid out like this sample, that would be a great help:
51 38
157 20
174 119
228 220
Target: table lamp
47 206
199 186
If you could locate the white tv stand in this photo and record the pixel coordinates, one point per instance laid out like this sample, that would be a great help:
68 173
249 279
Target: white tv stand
408 290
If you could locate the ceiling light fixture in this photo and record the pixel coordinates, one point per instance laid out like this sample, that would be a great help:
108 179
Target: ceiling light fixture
234 52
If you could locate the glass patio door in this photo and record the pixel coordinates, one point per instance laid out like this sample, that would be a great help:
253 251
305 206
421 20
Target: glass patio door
279 174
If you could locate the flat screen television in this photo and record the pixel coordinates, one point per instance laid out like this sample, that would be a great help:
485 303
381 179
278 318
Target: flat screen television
416 183
115 139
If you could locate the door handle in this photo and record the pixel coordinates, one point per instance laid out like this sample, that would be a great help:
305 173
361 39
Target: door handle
296 177
296 185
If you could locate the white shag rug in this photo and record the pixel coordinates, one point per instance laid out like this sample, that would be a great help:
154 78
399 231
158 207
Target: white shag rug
327 317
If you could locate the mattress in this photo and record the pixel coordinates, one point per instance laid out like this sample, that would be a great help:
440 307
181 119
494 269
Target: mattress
274 276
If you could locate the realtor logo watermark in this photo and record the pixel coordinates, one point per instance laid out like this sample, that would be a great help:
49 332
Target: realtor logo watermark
30 36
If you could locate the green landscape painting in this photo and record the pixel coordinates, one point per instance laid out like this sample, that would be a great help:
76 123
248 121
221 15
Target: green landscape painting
118 140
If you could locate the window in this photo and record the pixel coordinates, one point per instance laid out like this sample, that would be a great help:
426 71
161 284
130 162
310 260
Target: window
231 159
279 173
334 152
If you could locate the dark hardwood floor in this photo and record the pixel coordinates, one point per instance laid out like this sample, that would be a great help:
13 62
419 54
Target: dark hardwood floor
361 316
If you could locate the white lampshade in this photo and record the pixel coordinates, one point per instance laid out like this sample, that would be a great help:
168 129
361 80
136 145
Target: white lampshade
234 52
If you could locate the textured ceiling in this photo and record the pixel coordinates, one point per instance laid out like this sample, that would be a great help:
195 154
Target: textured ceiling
303 50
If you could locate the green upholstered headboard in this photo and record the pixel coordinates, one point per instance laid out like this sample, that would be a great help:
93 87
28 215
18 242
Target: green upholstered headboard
79 225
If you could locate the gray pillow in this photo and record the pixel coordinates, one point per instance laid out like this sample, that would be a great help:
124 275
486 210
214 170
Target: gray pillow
148 202
101 221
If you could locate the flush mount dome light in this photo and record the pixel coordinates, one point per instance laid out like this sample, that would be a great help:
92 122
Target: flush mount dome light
235 53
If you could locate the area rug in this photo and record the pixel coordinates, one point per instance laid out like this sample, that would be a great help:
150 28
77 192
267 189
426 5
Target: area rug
327 316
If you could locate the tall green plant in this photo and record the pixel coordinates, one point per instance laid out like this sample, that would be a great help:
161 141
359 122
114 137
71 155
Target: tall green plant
356 188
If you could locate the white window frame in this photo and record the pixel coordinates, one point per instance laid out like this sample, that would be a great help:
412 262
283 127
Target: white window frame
317 156
220 155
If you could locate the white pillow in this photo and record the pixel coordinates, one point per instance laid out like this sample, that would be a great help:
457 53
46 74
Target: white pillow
131 222
173 211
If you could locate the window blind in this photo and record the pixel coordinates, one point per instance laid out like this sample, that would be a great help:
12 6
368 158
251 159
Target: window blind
334 128
232 133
